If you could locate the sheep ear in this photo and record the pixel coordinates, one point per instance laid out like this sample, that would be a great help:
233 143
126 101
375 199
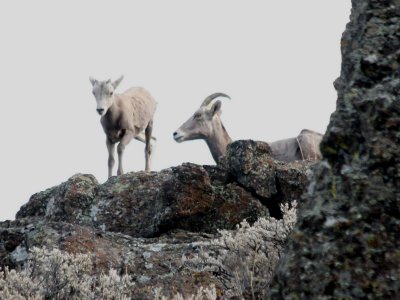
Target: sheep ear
92 81
117 82
215 109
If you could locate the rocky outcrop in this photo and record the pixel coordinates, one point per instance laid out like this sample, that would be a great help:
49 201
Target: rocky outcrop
144 223
346 243
246 185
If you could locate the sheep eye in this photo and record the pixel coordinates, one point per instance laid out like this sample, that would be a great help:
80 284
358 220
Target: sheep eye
197 116
111 93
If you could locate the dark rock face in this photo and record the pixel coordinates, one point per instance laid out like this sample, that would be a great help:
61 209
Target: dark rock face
144 223
147 205
252 169
346 243
187 197
68 202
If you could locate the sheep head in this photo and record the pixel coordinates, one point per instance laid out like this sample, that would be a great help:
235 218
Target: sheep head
103 91
200 124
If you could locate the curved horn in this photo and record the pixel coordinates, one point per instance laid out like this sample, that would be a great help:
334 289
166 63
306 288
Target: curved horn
212 97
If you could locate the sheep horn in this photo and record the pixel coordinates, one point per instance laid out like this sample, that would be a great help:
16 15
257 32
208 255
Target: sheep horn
210 98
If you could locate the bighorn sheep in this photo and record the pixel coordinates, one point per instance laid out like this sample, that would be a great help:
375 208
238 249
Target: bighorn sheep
206 124
124 117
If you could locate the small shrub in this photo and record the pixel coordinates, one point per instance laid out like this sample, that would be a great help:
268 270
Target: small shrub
54 274
202 293
57 275
244 259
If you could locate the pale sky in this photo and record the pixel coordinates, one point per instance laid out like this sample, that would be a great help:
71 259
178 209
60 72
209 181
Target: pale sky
276 59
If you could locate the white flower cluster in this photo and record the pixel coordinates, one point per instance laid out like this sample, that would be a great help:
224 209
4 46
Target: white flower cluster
244 259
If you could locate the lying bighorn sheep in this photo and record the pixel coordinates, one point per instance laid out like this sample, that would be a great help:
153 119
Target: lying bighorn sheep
303 147
206 124
124 117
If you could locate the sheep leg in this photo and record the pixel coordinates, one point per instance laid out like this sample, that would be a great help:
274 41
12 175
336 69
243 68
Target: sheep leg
148 149
111 160
141 138
128 136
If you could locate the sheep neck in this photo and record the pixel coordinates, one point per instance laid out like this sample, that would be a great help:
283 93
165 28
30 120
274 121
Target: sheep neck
218 141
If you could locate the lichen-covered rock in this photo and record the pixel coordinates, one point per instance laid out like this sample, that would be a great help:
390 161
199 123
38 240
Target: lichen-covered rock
248 184
70 201
291 179
152 262
144 223
249 163
346 243
252 166
147 204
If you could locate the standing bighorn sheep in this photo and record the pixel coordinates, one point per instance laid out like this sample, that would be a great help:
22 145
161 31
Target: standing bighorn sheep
124 117
206 124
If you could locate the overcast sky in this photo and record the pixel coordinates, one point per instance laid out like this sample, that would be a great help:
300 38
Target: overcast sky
276 59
